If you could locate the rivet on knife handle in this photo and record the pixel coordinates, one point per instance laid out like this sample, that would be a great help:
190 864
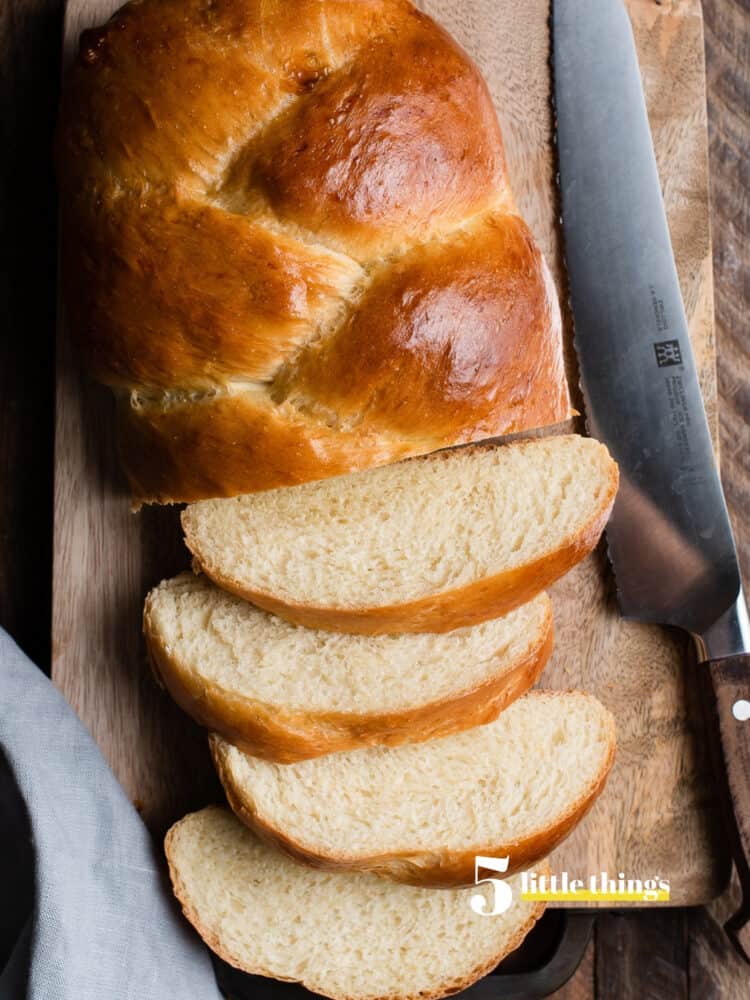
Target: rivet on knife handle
730 678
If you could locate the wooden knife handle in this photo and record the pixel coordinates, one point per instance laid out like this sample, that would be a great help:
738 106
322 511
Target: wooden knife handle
730 678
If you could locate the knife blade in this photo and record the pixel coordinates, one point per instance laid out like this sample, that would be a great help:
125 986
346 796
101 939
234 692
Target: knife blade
669 538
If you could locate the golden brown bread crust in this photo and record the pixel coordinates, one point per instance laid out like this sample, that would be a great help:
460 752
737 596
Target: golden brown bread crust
291 245
166 322
214 942
489 277
437 869
472 604
285 736
226 445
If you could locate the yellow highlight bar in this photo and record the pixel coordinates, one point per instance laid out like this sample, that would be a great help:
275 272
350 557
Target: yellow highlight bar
586 896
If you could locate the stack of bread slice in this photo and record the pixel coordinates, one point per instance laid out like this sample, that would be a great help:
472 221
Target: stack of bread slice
361 649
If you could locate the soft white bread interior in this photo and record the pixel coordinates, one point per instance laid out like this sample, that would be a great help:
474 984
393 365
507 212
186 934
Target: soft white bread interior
287 693
350 937
419 814
427 545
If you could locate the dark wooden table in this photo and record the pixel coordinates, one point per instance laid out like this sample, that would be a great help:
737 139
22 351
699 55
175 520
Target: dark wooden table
657 955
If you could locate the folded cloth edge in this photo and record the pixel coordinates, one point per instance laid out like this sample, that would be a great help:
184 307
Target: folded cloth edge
103 926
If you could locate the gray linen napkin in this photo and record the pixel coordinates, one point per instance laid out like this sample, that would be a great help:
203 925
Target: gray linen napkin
102 924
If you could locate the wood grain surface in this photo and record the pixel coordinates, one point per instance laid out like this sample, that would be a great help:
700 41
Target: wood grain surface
704 964
28 93
657 816
715 970
104 561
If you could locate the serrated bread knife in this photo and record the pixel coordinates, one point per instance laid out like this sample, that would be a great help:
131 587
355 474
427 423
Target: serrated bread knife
669 538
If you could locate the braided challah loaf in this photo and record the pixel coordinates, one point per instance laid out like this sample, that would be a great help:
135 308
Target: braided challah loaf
291 246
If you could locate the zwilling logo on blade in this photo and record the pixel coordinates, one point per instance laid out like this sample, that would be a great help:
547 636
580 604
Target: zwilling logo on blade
668 353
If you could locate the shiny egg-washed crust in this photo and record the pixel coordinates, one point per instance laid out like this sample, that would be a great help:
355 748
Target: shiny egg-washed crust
471 604
225 951
438 868
286 736
291 246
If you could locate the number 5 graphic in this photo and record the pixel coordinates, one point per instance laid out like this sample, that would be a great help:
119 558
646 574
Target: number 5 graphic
502 891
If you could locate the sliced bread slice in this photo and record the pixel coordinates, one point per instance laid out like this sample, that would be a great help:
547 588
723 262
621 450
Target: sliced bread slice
427 545
287 693
350 937
420 814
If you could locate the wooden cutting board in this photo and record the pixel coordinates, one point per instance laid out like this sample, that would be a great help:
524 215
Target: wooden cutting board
658 815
